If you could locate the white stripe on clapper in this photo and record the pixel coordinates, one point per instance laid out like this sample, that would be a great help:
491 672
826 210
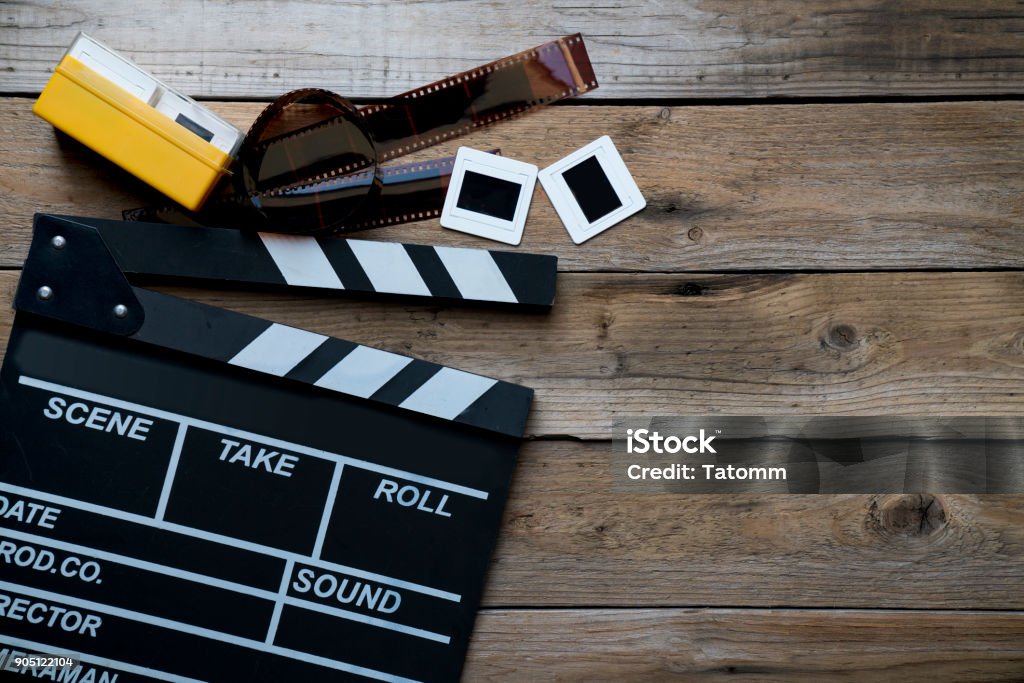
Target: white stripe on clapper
389 267
363 371
448 393
475 274
301 261
278 350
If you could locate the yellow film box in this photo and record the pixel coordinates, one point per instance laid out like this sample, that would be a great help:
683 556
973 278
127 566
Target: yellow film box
151 130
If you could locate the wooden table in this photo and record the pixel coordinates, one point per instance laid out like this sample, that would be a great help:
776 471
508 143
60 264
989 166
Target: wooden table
835 224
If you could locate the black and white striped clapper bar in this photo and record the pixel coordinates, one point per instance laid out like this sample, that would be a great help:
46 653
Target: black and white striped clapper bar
364 267
193 494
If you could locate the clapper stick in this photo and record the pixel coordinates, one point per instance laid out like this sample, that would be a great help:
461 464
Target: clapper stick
452 274
225 498
73 275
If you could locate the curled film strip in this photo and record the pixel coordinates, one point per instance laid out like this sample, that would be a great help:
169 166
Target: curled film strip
310 161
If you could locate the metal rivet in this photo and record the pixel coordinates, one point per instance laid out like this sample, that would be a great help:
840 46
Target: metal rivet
120 311
44 293
58 242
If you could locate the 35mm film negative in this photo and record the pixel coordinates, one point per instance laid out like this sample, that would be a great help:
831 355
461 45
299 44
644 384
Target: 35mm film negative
296 160
408 192
224 498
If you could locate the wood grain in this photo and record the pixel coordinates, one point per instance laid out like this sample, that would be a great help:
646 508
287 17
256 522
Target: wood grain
824 187
692 48
619 346
746 645
570 539
688 308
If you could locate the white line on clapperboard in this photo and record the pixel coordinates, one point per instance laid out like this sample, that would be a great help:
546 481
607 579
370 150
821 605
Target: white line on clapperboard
102 661
172 469
332 495
172 625
240 543
278 597
275 618
251 436
227 540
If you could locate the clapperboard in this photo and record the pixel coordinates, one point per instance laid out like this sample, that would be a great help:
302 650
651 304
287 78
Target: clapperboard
193 494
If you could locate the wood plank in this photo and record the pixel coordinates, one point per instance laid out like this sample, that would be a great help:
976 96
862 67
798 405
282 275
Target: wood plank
731 645
693 48
642 345
829 187
569 539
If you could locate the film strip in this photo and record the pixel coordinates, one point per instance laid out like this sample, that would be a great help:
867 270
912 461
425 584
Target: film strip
225 498
408 192
304 142
452 106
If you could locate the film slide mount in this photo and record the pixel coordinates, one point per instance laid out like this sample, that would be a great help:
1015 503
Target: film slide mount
181 479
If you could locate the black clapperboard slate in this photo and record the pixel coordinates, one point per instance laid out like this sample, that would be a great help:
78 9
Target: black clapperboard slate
193 494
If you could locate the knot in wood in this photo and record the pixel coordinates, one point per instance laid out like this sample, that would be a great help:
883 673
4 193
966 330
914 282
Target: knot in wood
688 289
909 515
842 337
1018 343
